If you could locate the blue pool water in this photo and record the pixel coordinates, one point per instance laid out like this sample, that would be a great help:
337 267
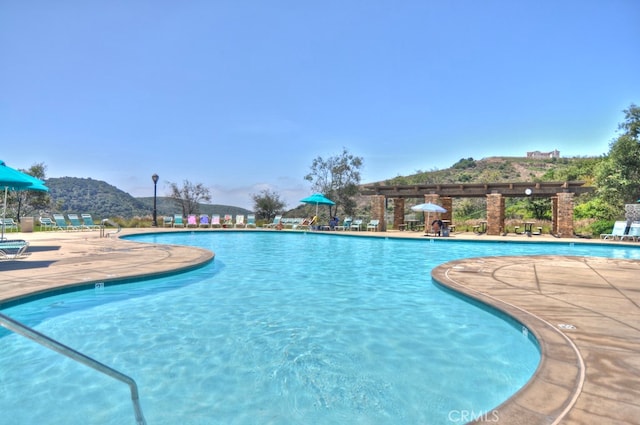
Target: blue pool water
281 328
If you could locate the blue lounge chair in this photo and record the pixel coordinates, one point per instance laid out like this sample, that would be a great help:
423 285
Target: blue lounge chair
251 221
88 223
61 223
13 249
45 223
178 221
9 225
75 222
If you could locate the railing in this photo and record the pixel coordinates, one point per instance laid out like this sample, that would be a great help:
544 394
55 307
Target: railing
54 345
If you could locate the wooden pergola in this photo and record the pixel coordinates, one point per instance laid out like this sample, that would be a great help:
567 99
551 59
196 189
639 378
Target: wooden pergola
560 193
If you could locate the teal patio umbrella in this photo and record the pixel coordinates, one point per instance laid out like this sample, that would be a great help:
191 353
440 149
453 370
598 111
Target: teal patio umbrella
16 180
318 199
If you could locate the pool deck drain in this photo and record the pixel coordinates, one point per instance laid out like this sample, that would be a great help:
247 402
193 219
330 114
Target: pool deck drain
585 311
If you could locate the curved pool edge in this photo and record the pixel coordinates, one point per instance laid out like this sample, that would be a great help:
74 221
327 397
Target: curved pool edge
560 300
84 261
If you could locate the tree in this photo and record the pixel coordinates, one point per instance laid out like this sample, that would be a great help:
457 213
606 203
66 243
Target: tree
189 196
267 204
30 201
337 178
618 174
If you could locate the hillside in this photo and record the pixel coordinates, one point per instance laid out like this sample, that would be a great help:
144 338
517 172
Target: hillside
85 195
100 199
504 169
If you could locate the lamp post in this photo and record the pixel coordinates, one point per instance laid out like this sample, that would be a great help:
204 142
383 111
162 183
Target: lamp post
155 186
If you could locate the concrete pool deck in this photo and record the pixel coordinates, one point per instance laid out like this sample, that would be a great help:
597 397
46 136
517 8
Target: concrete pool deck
585 311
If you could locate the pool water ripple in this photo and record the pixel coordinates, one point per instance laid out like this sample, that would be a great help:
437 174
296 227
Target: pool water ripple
279 329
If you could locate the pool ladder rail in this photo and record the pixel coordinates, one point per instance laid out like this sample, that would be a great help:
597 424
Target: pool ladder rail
21 329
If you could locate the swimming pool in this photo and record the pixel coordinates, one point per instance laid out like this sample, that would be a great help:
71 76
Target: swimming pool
281 328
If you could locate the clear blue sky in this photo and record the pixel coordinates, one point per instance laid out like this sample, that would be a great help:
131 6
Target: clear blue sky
242 95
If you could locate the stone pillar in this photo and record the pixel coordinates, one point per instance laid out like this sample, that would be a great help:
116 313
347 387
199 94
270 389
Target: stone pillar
398 213
378 210
565 215
446 202
495 214
554 215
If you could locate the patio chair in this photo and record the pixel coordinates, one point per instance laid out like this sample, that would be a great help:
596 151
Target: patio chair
356 225
274 223
228 221
61 222
345 224
251 221
373 225
204 221
13 249
192 221
76 224
9 225
178 221
88 223
240 221
167 221
215 221
634 232
619 227
45 223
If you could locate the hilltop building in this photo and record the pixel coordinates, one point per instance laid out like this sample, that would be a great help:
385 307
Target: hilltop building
537 154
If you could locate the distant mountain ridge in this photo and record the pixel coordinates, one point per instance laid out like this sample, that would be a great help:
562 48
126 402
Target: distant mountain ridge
102 200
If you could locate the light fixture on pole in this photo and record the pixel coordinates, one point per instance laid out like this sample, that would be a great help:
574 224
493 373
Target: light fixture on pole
155 186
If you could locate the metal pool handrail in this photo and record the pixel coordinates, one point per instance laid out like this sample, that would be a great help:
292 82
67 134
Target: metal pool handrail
54 345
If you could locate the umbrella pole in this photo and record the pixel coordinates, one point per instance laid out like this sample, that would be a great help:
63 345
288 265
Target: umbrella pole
4 210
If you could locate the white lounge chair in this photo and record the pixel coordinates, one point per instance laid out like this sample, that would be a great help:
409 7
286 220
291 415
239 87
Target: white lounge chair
274 223
634 232
356 225
373 225
619 227
240 221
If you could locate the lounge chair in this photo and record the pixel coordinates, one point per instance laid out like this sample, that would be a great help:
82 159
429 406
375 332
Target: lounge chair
306 224
240 221
345 224
45 223
274 223
228 221
76 224
178 221
192 221
634 232
373 225
356 225
204 221
167 221
617 232
61 223
251 221
215 221
9 225
88 223
13 249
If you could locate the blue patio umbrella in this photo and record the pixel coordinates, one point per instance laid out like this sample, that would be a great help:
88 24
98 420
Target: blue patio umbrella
16 180
318 199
